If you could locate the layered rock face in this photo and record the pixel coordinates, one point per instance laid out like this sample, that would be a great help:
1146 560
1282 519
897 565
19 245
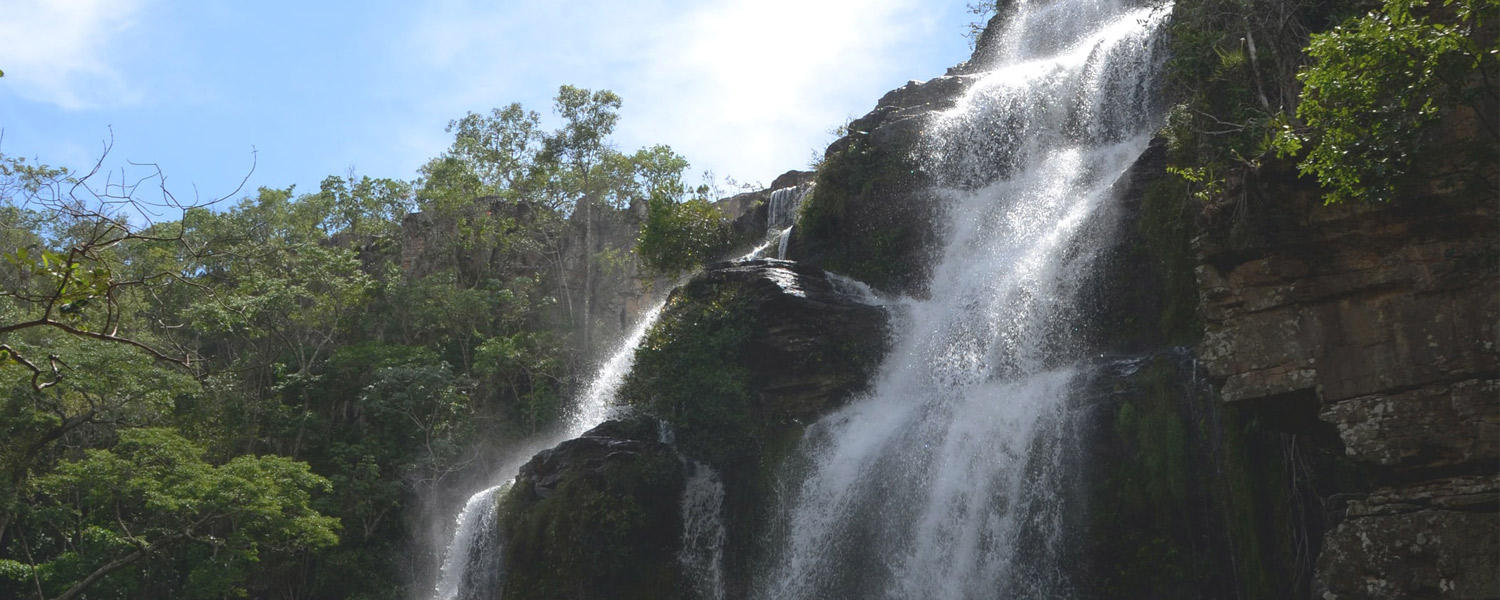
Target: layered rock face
1376 324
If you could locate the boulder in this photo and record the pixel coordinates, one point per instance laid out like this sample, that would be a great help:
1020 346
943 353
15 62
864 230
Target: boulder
746 347
596 517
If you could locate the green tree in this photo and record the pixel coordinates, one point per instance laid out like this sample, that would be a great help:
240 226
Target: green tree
153 495
366 207
1380 84
679 236
71 274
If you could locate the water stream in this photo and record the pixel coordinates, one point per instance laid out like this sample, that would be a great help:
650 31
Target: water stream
946 481
471 561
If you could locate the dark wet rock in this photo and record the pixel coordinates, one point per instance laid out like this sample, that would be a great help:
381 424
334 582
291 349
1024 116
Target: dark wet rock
778 344
1178 495
743 356
595 517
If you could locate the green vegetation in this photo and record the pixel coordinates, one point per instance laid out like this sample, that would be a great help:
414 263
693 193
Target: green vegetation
153 491
1357 97
690 371
245 400
1379 86
1189 499
883 242
1166 229
679 237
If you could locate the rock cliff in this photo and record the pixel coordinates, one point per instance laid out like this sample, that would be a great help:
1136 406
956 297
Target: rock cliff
1374 326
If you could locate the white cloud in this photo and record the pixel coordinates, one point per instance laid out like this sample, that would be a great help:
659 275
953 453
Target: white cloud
64 52
751 87
748 88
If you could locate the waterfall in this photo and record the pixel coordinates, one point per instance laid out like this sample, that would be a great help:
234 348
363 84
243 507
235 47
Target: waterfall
703 534
947 479
471 560
782 211
596 405
755 252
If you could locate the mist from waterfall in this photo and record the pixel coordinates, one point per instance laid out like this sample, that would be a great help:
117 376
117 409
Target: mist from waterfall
471 565
946 480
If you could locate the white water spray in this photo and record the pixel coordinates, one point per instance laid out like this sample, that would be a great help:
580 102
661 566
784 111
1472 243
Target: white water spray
703 534
945 482
471 561
781 211
597 404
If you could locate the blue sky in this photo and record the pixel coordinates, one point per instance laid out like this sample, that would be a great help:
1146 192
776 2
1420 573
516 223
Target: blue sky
746 88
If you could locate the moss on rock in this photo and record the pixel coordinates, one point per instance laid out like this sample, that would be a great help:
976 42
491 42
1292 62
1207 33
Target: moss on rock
742 356
596 517
872 216
1190 499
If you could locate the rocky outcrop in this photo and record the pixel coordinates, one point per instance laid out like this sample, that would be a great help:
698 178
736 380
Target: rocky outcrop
873 215
743 356
747 347
596 517
1373 328
1433 539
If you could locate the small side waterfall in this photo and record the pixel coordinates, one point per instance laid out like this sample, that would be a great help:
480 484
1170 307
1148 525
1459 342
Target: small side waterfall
947 480
596 405
471 561
782 210
703 534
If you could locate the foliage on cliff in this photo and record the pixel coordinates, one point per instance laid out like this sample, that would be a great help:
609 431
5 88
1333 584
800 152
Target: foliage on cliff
1348 91
1378 88
607 524
864 220
681 235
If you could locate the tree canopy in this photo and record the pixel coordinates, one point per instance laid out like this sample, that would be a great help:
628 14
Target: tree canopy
253 394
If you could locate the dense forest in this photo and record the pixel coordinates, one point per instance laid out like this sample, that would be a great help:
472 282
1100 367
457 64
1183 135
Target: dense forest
256 396
261 396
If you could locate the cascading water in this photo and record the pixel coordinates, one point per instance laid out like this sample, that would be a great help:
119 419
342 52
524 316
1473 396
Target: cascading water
781 215
946 481
471 561
597 403
781 211
703 533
